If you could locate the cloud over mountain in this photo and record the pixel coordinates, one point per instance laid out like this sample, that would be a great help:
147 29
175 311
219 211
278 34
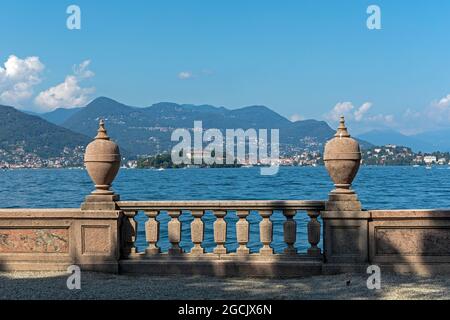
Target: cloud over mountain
348 110
70 93
18 78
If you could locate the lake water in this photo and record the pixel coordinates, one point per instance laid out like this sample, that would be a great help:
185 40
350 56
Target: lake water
377 188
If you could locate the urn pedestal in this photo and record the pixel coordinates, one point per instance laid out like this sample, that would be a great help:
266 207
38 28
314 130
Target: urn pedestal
102 161
345 224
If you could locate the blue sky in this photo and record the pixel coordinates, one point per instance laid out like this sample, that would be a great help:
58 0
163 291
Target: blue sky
303 59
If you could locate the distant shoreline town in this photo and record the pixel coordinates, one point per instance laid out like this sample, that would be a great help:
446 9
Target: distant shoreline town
388 155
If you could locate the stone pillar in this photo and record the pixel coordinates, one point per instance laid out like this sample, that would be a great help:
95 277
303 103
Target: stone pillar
345 223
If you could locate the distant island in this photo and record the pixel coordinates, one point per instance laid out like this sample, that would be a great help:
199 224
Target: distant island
393 155
164 161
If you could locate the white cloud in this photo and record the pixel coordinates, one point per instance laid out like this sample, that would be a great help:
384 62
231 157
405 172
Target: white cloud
82 71
382 119
409 113
296 117
340 109
68 94
434 116
348 110
359 114
437 113
360 118
444 102
184 75
18 78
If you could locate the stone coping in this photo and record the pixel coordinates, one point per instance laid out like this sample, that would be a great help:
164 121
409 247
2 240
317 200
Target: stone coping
227 205
224 205
56 214
410 214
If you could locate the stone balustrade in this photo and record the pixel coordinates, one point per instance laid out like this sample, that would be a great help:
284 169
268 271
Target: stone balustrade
220 209
221 260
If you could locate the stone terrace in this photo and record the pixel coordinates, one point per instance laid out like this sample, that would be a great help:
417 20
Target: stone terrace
101 235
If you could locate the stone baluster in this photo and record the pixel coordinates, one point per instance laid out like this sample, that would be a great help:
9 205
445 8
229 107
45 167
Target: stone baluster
197 232
128 233
152 232
314 233
242 232
174 231
290 231
220 232
265 232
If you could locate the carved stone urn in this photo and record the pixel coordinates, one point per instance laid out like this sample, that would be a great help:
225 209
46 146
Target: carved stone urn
342 159
102 161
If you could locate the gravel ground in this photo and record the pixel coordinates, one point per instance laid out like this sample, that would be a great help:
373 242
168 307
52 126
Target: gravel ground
38 285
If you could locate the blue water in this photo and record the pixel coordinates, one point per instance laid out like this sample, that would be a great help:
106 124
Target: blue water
377 187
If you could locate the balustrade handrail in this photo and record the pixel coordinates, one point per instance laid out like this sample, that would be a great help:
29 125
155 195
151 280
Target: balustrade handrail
225 204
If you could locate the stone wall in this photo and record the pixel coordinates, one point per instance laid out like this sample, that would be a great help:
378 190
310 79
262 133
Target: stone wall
54 239
412 241
415 241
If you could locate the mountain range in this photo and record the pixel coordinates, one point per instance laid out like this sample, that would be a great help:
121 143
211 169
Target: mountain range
32 134
147 130
144 130
58 116
429 141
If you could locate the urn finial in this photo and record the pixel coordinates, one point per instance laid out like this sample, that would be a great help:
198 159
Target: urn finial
102 161
101 132
342 129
